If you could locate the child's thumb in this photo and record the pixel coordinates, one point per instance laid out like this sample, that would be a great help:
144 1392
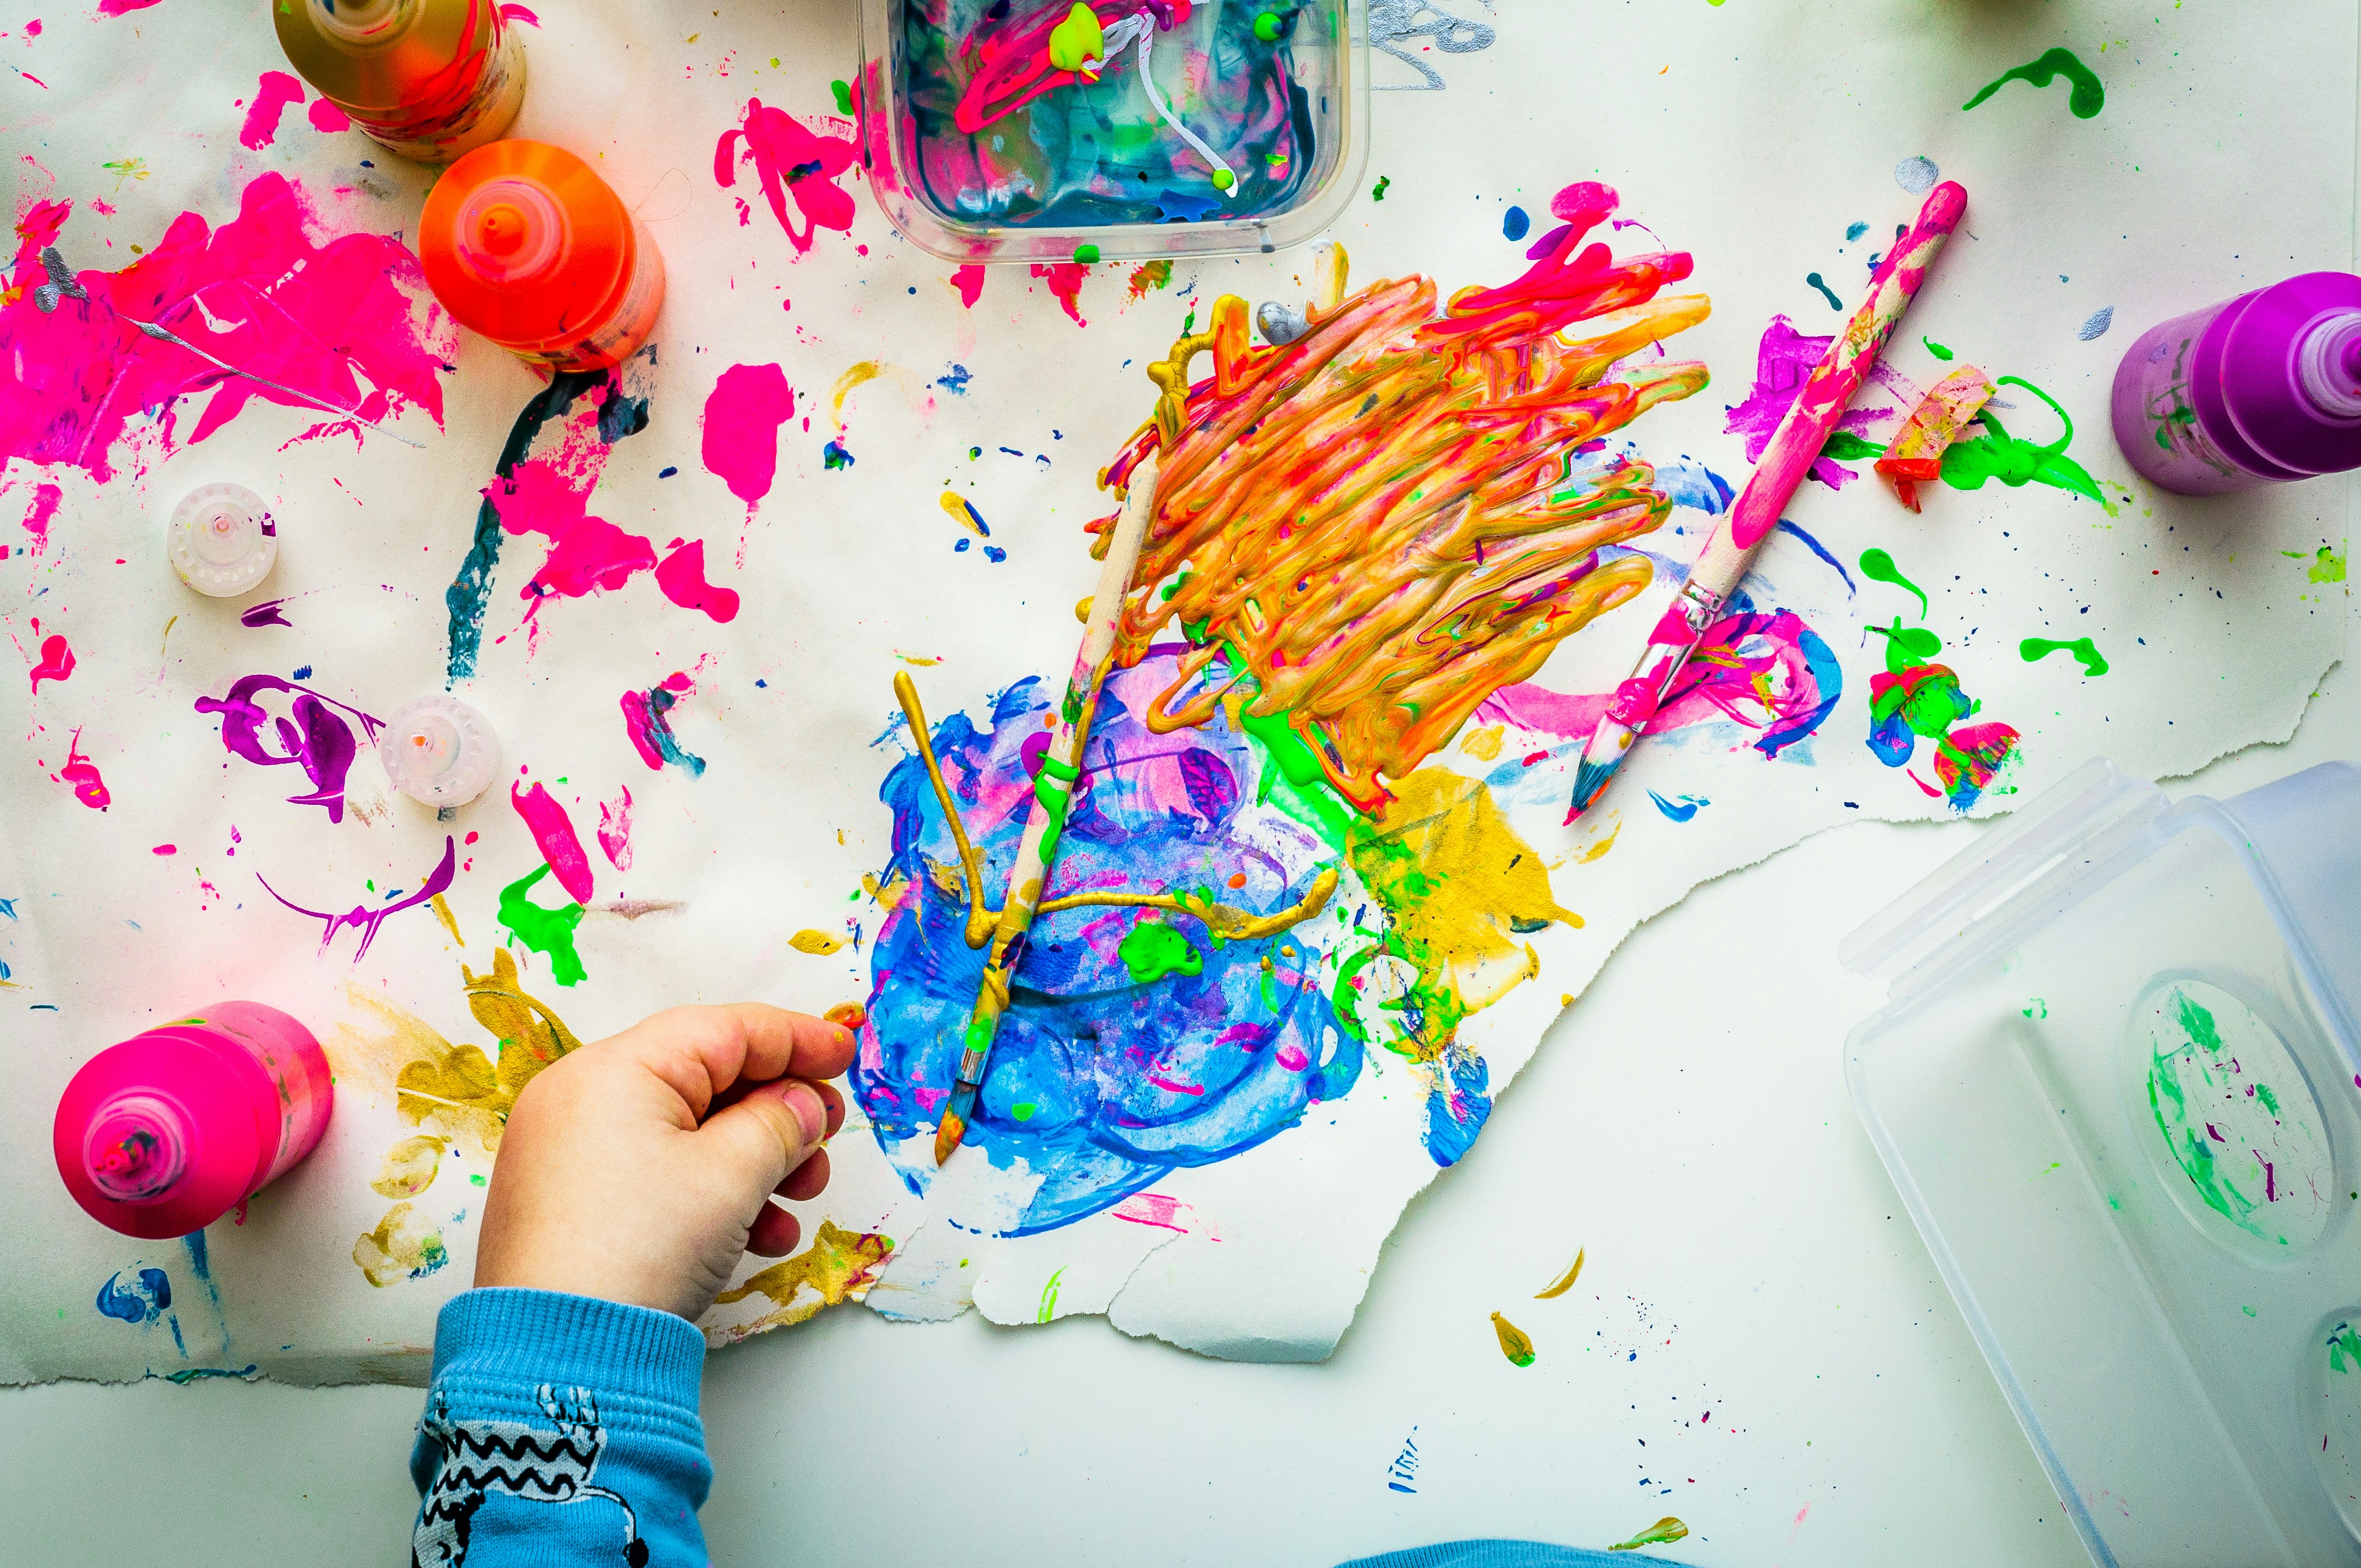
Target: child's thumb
768 1133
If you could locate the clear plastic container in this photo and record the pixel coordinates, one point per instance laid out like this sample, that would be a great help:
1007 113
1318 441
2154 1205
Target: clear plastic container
2117 1086
1057 168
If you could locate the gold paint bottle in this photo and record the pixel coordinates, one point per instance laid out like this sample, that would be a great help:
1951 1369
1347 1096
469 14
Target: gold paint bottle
428 79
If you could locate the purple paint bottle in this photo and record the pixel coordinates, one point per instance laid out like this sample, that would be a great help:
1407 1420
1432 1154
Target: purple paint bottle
2262 390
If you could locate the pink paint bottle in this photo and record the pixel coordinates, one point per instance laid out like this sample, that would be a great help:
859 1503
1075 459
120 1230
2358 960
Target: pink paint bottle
166 1133
2262 390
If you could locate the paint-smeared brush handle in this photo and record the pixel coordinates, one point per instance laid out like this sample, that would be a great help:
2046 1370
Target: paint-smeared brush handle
1795 445
1044 820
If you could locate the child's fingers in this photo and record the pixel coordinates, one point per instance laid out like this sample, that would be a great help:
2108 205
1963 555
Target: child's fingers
804 1183
755 1143
701 1051
773 1233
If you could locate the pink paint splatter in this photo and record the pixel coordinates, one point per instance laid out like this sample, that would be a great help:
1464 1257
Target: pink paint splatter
1782 361
550 495
165 849
325 116
271 97
554 831
519 14
37 519
257 291
122 8
1165 1213
743 415
83 774
789 159
615 830
969 281
645 721
682 579
57 661
1065 281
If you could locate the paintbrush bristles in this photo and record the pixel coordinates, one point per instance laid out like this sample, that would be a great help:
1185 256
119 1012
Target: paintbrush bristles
948 1133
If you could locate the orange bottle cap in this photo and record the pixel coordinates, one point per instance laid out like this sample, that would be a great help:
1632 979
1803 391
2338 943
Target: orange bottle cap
523 242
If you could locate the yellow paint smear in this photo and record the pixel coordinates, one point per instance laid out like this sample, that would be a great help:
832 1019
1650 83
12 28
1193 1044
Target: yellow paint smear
866 371
404 1243
1565 1281
1483 742
411 1166
819 944
1600 847
838 1266
450 921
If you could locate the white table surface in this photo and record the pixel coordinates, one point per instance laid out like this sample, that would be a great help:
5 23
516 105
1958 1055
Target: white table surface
1747 1257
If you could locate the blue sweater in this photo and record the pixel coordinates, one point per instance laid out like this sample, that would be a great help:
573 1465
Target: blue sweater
561 1432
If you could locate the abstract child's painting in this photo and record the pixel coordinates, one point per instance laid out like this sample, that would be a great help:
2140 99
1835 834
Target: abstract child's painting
1426 491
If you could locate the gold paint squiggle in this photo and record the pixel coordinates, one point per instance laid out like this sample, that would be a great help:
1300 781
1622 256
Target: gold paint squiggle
1381 520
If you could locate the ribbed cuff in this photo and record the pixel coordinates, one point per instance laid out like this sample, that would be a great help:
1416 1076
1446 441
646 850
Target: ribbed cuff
504 1336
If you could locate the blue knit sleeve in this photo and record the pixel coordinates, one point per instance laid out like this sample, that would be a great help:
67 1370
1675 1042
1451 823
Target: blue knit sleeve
560 1432
1501 1554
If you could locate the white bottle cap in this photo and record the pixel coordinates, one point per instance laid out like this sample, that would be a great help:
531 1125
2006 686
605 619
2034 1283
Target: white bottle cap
222 540
439 751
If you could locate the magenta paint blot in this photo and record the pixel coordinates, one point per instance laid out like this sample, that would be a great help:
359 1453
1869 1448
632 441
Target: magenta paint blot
271 97
554 831
615 830
1065 281
312 735
969 281
340 320
122 8
1782 361
790 159
682 579
326 116
364 919
519 14
265 614
743 416
57 661
83 775
38 515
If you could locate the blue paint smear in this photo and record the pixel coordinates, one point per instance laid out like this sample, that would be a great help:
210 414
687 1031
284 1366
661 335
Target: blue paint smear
1816 548
302 673
1855 232
1680 810
188 1374
470 592
2096 327
1082 1040
140 1299
178 1343
1828 293
1688 483
955 380
667 744
960 547
834 457
1516 224
667 473
994 553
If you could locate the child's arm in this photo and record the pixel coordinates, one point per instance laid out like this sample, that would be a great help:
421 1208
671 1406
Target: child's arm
561 1423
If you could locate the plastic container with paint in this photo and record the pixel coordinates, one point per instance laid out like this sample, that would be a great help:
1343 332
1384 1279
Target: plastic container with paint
167 1132
2262 390
2115 1085
427 79
222 540
523 242
1088 165
439 751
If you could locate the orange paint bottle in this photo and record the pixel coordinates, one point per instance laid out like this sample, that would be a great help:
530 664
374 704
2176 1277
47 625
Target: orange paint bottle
526 245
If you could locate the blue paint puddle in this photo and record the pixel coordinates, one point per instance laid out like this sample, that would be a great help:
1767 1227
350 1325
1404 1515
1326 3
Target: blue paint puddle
1516 224
1679 811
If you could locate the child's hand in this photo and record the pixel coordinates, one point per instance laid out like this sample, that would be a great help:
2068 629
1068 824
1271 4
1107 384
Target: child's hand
639 1168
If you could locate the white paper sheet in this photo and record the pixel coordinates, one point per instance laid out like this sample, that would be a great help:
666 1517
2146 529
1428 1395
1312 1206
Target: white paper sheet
1751 137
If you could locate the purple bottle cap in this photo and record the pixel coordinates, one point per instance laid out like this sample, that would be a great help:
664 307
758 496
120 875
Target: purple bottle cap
2290 379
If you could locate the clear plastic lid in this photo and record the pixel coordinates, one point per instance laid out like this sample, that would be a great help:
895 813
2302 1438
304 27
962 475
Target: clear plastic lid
2116 1084
1191 127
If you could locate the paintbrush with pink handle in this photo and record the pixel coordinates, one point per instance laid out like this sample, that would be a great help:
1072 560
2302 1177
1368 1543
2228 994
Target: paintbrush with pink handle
1730 548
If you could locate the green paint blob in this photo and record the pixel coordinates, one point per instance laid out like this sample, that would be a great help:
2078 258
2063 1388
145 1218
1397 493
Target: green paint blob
1224 178
1077 40
1938 350
843 91
549 931
1907 647
2345 1348
1086 253
1023 1111
1844 446
1049 1297
1266 26
1378 190
2016 462
1878 567
2089 95
1155 950
2327 567
2034 649
1053 787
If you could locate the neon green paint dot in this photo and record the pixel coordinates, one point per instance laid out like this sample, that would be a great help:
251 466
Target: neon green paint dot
475 1181
1086 254
1224 178
843 91
1022 1109
1266 26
